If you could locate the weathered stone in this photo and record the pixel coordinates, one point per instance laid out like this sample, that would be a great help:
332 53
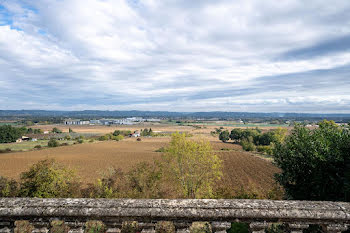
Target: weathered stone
258 227
297 227
220 213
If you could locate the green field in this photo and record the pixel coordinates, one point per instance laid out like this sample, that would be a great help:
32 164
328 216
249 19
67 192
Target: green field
25 146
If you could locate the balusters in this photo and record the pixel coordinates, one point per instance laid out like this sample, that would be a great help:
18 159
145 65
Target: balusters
258 227
6 227
220 227
297 227
336 228
147 227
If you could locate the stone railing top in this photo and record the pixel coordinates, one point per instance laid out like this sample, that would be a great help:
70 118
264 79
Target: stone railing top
176 209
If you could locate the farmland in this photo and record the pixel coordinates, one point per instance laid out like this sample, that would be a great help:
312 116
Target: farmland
89 160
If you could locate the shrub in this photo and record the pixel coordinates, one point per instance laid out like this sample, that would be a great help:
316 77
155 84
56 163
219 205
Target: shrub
247 144
95 227
37 147
64 144
267 150
8 188
48 179
103 138
119 138
80 141
23 226
200 227
52 143
130 227
91 140
165 227
7 150
162 149
58 227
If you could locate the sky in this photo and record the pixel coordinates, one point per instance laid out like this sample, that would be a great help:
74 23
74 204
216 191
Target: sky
175 55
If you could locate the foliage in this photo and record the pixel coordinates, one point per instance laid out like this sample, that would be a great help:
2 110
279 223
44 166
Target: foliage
247 144
315 164
70 130
52 143
144 181
95 227
238 227
6 150
9 133
23 226
122 132
267 150
165 227
130 227
119 137
58 227
8 188
224 136
48 179
200 227
236 134
192 165
56 130
147 132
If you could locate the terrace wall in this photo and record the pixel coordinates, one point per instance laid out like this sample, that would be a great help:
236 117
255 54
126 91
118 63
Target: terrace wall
333 216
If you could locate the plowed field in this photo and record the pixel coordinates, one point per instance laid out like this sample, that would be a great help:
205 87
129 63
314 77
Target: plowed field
90 159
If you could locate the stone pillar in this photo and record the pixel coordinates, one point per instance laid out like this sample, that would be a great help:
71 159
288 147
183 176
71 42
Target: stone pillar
336 228
297 227
182 227
258 227
147 227
220 227
75 227
6 227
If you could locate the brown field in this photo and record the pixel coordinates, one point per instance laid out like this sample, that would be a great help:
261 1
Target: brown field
241 169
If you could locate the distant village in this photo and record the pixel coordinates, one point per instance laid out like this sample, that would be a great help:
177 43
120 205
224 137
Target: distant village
123 121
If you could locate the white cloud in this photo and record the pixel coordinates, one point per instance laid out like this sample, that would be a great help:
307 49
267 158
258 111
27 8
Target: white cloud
172 55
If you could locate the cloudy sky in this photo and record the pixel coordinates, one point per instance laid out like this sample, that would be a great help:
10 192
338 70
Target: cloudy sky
175 55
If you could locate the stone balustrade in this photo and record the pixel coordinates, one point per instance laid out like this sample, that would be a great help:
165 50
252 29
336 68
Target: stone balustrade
74 213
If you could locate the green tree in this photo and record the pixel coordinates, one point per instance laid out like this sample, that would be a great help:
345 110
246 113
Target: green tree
52 143
56 130
236 134
224 136
48 179
192 165
315 163
9 134
8 188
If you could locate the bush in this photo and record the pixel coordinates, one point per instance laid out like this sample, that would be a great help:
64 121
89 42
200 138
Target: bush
95 227
53 143
58 227
119 138
7 150
247 144
48 179
8 188
91 140
64 144
165 227
130 227
80 141
162 149
267 150
103 138
224 136
200 227
37 147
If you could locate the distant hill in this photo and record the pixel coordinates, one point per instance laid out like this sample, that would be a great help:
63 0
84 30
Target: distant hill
166 114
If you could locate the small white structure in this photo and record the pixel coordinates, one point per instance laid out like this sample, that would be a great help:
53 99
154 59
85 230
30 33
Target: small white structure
34 139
